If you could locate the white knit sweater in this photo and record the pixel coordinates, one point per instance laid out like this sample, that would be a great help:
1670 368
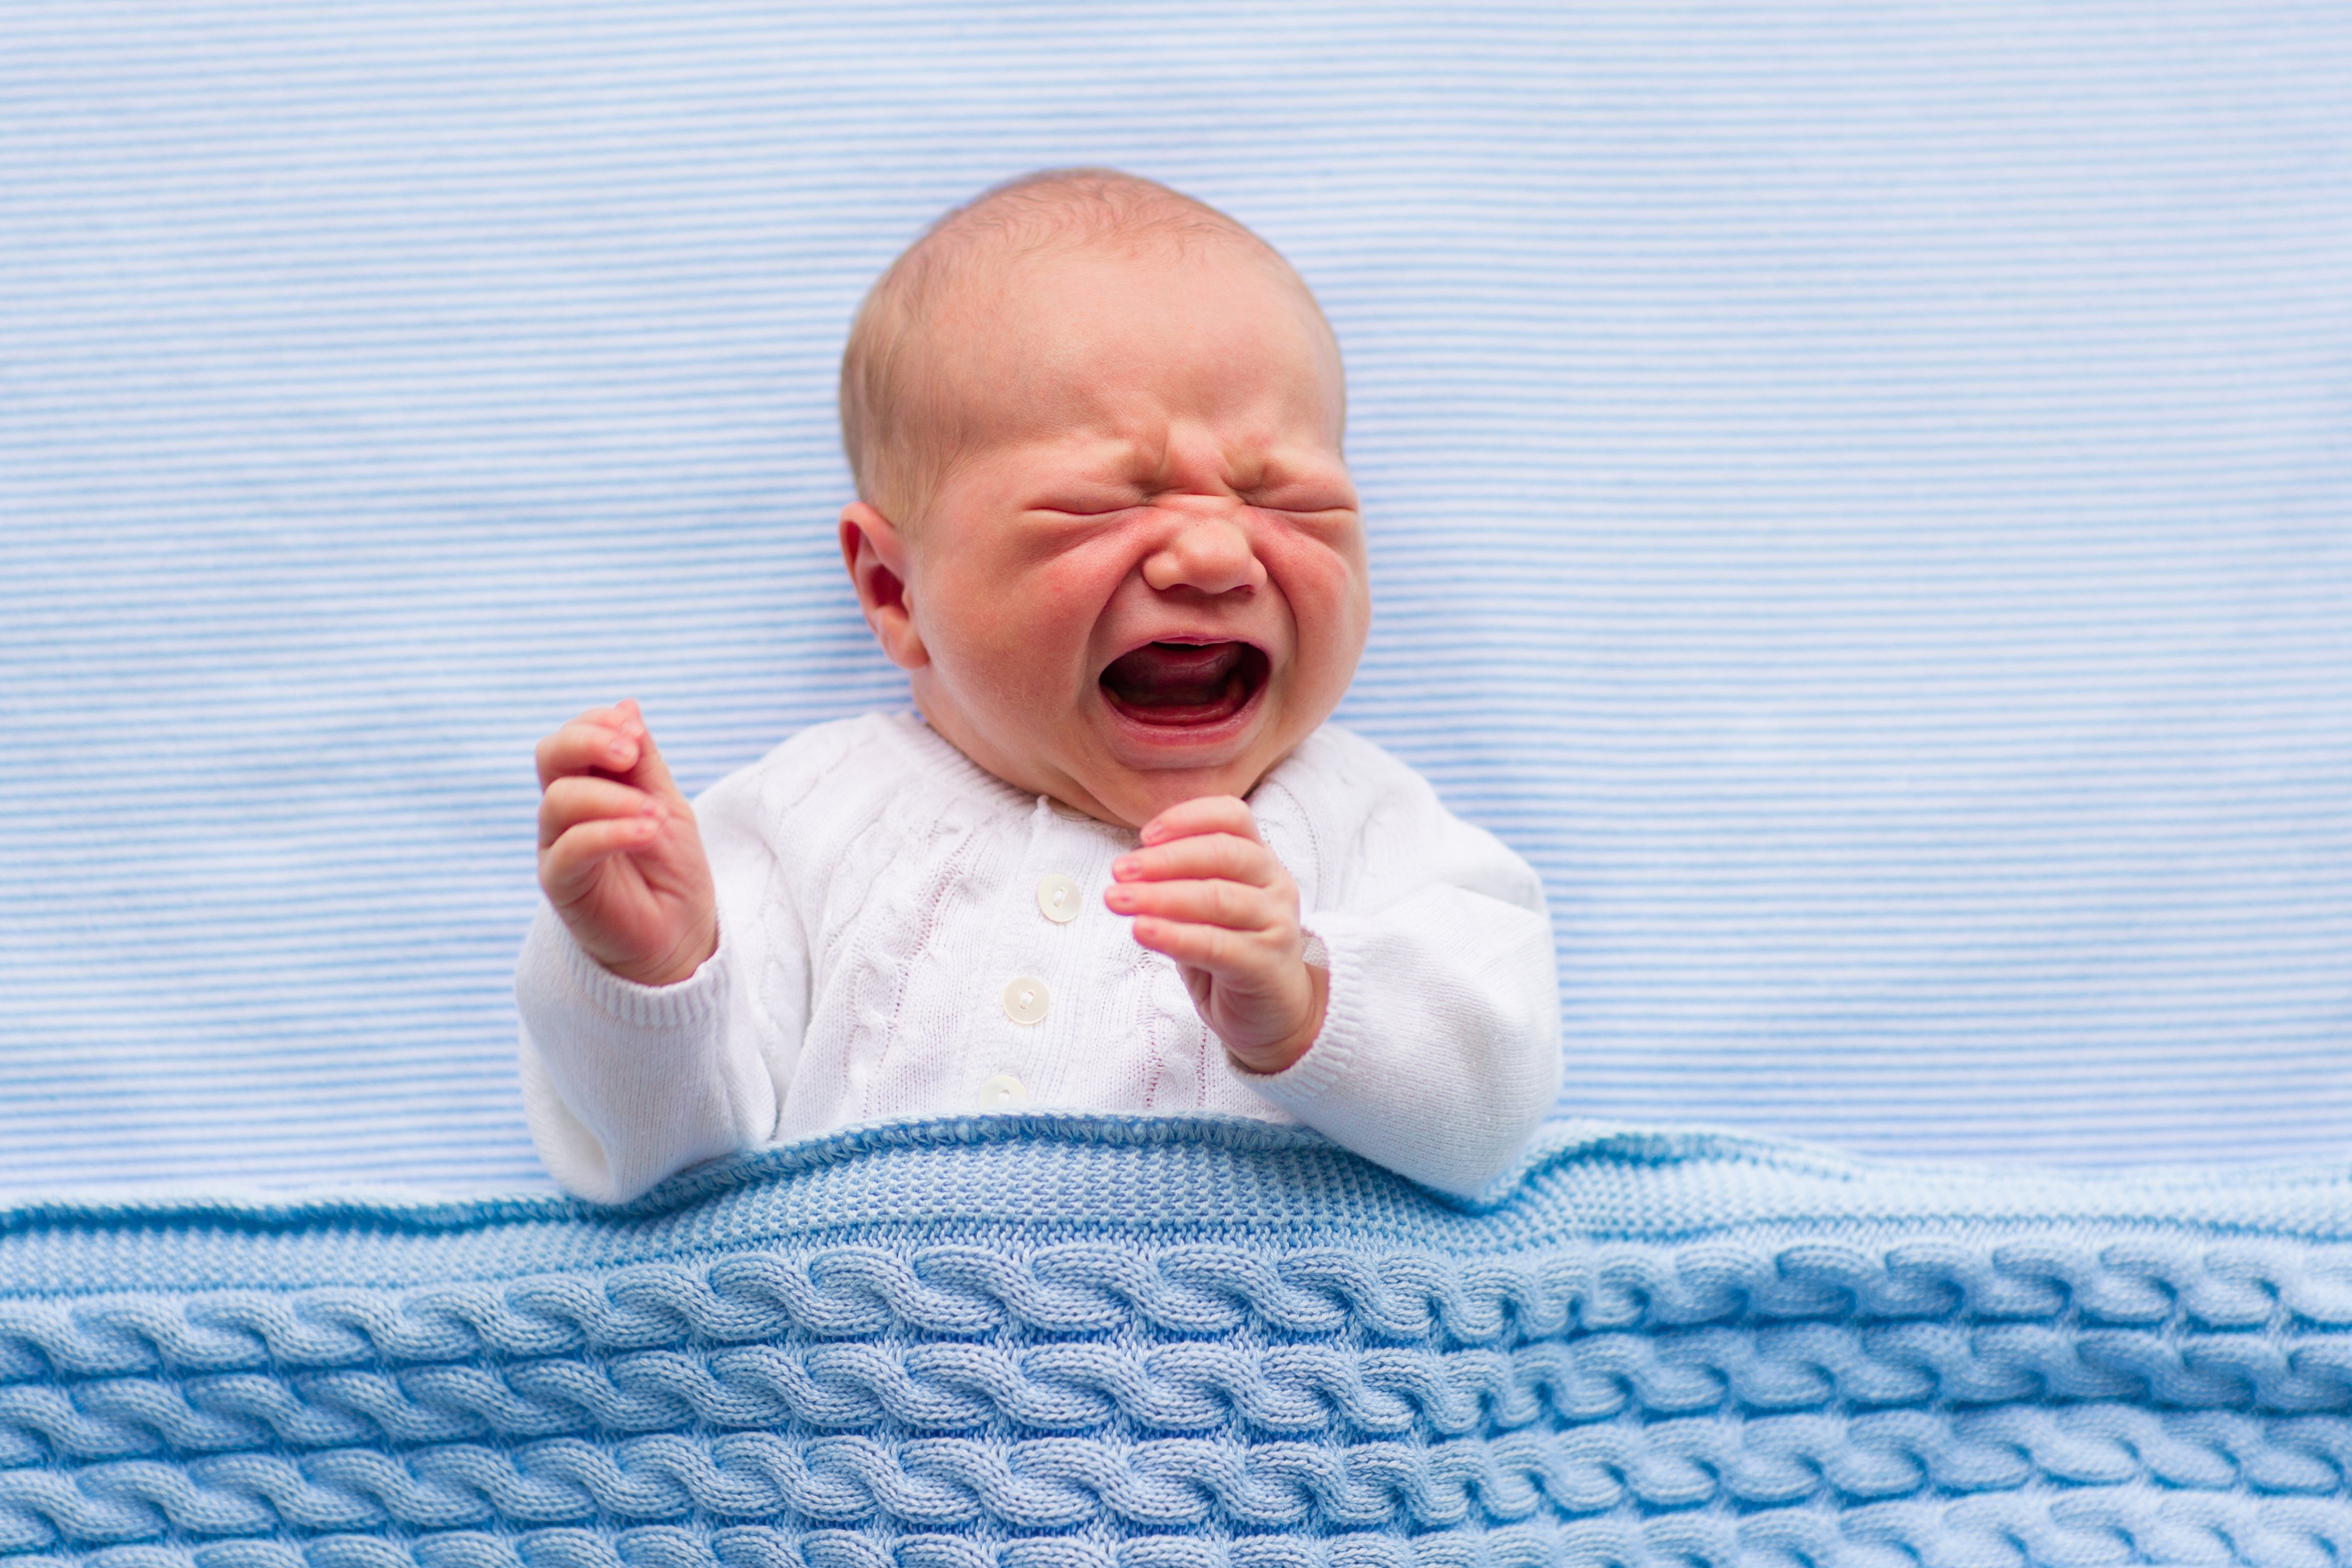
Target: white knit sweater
887 917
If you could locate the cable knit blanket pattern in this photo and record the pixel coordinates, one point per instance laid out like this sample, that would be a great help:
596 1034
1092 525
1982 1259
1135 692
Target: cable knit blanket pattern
1049 1341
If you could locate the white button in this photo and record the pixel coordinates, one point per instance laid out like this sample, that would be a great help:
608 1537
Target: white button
1057 899
1024 1000
1001 1091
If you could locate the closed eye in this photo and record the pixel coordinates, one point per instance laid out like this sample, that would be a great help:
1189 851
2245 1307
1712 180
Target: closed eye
1302 493
1086 506
1302 502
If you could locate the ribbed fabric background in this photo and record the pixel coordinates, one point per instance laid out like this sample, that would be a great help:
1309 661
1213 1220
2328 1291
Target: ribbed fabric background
1859 496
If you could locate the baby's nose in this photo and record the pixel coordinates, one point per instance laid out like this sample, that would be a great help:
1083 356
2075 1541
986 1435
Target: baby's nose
1209 552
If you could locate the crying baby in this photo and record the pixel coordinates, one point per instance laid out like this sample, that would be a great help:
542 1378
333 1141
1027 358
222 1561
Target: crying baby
1120 862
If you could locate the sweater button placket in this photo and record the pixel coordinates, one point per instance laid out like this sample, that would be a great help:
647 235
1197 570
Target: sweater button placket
1030 954
1027 999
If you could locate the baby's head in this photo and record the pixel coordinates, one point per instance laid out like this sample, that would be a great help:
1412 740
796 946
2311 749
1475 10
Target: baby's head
1103 518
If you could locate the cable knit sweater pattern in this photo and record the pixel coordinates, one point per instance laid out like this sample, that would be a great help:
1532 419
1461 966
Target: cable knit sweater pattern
1036 1341
902 934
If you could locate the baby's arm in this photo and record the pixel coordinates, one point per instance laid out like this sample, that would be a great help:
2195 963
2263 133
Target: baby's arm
638 1050
1425 1036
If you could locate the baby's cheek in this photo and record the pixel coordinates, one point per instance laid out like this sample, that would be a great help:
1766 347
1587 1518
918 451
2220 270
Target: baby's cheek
1315 558
1018 636
1065 597
1330 606
1071 589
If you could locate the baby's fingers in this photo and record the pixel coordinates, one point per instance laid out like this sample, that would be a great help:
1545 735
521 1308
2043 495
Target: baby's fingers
613 741
1203 814
650 772
1200 856
567 868
605 740
1210 947
571 801
1209 903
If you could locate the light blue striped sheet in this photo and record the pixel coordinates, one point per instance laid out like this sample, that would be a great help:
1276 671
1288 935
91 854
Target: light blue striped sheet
1859 493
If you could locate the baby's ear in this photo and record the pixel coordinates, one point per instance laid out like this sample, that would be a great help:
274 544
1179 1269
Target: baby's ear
875 554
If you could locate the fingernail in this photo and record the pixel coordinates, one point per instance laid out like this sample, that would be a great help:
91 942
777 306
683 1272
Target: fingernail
617 753
1125 866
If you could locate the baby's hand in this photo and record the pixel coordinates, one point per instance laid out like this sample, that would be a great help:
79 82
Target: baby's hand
1206 890
618 854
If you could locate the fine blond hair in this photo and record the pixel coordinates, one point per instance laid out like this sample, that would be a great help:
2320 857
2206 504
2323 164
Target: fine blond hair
898 426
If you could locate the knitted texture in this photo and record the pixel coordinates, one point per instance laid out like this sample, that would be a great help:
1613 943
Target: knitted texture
877 893
1025 1343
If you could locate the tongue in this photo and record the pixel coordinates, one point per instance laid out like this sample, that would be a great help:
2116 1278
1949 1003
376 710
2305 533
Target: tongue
1178 683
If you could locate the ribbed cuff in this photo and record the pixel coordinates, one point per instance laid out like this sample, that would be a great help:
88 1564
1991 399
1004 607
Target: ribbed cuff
1326 1061
695 1000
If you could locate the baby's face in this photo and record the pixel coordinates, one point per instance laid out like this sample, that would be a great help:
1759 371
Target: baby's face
1142 580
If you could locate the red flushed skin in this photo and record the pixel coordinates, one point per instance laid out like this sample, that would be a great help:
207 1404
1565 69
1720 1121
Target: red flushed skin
1151 455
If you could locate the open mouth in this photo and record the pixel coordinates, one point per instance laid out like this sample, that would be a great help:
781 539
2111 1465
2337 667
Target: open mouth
1185 685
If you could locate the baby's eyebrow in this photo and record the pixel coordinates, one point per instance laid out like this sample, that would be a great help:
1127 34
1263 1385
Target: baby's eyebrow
1107 455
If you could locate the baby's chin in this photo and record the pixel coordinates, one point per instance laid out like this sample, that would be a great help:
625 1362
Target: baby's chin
1129 798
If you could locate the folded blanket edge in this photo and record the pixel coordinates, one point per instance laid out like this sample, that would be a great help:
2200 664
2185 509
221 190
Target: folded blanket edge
1559 1173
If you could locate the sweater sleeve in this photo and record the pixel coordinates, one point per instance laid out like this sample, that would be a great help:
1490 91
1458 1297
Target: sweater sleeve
625 1084
1440 1050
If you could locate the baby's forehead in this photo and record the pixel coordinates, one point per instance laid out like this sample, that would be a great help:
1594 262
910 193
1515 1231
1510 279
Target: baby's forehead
1008 312
1108 374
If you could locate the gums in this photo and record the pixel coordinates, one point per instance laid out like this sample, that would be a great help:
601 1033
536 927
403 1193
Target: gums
1182 684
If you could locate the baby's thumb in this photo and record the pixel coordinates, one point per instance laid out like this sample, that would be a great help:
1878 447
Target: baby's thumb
651 773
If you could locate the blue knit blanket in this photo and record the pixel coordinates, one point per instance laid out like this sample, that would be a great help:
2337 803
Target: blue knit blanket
1034 1342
